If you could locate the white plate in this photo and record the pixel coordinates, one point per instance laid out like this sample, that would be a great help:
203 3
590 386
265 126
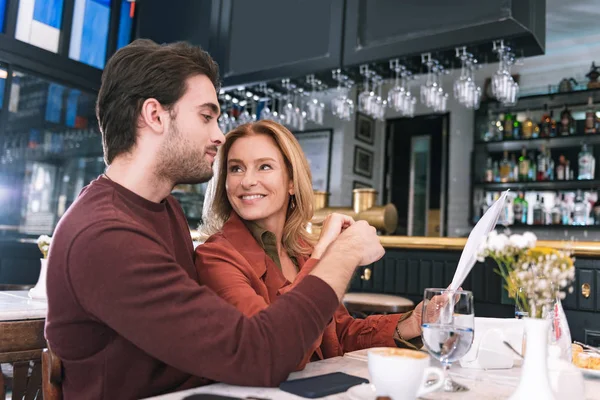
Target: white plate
364 391
590 373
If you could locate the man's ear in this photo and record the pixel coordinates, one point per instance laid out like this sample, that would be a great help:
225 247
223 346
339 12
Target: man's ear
153 115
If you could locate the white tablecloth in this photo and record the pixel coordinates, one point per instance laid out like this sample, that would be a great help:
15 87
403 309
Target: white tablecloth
16 305
483 385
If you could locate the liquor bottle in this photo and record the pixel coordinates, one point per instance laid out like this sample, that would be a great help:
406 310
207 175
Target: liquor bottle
509 215
523 166
489 171
550 166
520 210
568 171
590 117
556 212
508 126
514 168
496 171
567 124
546 216
566 210
489 131
538 216
553 128
542 164
586 164
525 209
487 203
545 123
580 210
596 210
516 129
560 168
505 169
527 127
532 167
499 132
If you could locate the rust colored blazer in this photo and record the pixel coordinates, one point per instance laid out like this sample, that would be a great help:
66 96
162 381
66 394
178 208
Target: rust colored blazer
236 267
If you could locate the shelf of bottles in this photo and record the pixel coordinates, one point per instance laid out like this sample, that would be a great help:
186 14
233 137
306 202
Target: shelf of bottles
573 209
547 157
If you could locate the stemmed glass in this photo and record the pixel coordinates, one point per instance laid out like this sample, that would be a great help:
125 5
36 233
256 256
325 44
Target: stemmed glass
341 105
447 322
504 88
466 90
314 105
432 92
399 97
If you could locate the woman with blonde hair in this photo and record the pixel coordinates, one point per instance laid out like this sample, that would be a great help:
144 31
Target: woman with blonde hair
259 246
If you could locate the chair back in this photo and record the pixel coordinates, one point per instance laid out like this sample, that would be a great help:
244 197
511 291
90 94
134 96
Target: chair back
52 375
21 348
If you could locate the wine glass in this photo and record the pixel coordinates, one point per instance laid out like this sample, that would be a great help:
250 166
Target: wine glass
447 323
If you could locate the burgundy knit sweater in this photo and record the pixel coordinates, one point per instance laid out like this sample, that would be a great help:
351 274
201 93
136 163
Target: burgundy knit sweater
129 319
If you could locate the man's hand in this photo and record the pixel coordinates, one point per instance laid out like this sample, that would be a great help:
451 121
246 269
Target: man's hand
333 225
356 245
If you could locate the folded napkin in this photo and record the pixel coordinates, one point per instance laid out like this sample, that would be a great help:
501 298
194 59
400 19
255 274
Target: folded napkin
477 236
488 350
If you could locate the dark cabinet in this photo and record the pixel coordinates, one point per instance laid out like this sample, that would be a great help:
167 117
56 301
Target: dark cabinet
265 40
195 21
384 29
407 272
270 39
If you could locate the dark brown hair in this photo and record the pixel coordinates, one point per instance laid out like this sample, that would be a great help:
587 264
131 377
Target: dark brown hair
139 71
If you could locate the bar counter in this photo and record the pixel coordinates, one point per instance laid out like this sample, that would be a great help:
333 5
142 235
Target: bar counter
579 248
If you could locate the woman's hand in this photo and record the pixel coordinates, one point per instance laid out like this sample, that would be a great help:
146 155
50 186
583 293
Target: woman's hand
411 327
333 225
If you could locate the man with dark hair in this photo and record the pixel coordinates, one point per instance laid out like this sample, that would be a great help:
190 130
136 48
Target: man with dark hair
126 313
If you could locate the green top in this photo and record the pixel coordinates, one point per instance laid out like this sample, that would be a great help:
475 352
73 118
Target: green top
267 241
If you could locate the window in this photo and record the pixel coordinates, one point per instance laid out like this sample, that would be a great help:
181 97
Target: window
89 33
51 148
2 14
125 23
39 23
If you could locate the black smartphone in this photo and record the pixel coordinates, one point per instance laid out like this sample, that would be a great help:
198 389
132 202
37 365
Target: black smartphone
322 385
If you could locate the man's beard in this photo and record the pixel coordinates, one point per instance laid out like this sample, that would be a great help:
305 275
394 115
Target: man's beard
179 163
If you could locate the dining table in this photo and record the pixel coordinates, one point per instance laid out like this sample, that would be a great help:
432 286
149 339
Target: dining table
482 384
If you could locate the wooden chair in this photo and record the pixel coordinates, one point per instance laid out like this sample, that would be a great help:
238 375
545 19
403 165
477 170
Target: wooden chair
52 375
21 347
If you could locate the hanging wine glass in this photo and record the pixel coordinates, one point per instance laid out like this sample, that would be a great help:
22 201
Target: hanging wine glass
504 87
341 105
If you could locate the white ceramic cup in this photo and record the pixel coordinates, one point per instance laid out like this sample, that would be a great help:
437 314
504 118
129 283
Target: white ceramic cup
401 373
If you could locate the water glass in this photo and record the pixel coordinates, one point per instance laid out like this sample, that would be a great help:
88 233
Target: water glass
447 322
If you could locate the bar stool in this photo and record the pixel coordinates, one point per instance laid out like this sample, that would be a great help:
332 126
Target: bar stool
363 304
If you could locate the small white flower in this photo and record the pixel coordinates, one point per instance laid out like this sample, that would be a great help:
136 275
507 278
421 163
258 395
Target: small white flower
530 239
518 241
562 295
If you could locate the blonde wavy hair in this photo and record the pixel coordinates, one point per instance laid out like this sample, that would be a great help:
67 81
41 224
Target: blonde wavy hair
217 208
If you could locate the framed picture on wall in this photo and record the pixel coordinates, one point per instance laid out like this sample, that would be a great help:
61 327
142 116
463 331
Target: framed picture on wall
363 162
317 149
365 128
360 185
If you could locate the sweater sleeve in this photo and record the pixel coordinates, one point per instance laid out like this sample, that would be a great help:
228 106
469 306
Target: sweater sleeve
127 280
219 269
